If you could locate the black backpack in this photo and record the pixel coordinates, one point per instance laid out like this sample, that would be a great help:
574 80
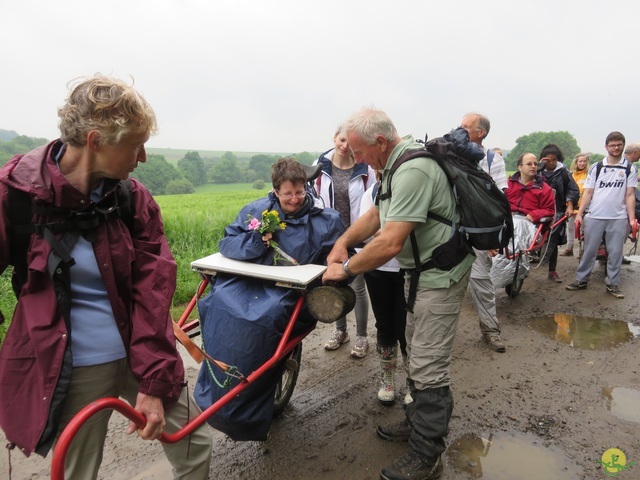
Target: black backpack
485 214
21 215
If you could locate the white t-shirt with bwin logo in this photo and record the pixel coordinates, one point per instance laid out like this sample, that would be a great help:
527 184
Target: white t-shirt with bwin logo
609 189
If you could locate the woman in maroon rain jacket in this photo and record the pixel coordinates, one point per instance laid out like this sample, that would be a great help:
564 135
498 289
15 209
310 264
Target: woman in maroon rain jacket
119 274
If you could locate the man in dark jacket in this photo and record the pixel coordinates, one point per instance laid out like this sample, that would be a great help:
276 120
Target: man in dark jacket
567 193
92 318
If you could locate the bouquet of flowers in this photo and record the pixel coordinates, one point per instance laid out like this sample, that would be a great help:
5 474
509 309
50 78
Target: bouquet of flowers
270 223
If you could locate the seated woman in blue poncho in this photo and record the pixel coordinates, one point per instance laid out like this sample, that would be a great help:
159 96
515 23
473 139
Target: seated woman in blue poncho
243 318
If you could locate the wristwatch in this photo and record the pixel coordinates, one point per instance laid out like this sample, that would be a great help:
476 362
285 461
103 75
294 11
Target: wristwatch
345 267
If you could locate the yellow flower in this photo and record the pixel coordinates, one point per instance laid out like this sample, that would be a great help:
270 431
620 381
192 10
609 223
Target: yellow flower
283 225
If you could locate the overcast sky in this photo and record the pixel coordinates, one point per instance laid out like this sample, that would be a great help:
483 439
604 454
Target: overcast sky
280 75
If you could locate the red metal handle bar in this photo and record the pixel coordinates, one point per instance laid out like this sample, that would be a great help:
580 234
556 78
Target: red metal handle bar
285 346
63 443
201 288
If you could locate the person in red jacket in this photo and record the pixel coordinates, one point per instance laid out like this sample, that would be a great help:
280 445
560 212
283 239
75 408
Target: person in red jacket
92 317
527 191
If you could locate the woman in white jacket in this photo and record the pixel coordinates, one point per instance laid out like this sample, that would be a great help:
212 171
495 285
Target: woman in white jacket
341 186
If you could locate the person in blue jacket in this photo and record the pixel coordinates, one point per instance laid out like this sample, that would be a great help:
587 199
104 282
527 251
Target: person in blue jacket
243 318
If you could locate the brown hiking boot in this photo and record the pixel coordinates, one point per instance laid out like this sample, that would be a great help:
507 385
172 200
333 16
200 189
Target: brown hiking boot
495 342
396 432
413 466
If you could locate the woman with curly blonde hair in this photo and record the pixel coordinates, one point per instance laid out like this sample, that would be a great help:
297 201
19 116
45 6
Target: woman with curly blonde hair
94 290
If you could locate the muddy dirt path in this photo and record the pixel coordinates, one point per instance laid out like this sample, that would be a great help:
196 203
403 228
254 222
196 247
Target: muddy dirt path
542 410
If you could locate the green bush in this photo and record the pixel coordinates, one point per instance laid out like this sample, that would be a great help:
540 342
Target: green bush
178 187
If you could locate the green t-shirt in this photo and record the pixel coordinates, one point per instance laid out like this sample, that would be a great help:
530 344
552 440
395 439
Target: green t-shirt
417 187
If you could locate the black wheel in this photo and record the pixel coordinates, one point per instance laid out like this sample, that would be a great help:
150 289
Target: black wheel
513 289
287 382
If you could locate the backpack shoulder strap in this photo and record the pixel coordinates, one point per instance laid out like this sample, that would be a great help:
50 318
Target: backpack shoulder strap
20 216
599 166
405 157
125 205
490 155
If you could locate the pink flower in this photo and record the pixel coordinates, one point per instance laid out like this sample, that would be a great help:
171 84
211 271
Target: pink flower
254 224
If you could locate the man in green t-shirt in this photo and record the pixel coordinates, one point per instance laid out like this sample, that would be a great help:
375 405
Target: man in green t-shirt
419 186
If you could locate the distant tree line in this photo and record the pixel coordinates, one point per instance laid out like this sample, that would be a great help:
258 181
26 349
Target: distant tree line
162 178
192 170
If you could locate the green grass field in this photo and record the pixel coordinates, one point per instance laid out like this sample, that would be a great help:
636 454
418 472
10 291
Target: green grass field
193 224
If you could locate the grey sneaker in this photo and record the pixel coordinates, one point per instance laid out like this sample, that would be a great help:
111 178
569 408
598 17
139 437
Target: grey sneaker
615 291
338 337
360 347
576 285
495 342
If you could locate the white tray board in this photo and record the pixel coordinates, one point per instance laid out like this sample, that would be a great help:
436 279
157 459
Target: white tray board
295 275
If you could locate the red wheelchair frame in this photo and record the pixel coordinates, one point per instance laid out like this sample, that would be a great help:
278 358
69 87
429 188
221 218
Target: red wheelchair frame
540 238
288 348
602 250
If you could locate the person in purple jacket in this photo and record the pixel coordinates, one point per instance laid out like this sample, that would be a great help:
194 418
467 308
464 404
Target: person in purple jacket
94 288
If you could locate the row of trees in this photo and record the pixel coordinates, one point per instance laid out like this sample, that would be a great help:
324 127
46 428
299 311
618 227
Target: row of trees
536 141
161 177
164 178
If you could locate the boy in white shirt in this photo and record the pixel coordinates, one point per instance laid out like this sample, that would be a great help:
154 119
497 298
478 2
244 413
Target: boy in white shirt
610 195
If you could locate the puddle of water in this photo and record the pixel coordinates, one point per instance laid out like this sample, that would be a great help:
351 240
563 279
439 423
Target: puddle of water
588 333
509 457
623 403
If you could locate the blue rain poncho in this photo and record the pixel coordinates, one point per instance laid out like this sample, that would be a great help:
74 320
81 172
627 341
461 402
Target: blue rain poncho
242 318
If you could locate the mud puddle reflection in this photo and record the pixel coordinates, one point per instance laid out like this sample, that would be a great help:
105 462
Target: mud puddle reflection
508 457
588 333
623 403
